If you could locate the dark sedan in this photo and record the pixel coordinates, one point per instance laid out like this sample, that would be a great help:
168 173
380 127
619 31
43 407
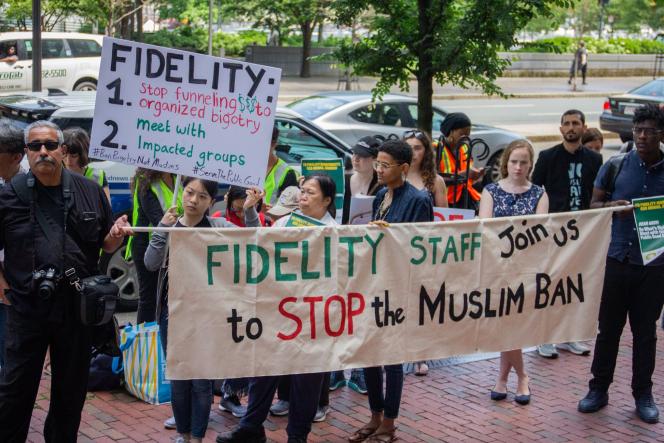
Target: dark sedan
619 110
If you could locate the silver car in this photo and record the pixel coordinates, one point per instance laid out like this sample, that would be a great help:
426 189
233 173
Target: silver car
352 115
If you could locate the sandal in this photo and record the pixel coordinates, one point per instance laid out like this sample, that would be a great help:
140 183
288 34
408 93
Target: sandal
383 437
362 434
421 368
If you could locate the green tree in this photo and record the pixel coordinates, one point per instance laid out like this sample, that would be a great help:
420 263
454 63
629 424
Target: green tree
53 11
449 41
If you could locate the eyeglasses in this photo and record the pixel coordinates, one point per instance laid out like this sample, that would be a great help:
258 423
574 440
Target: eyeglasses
413 133
648 132
381 165
50 145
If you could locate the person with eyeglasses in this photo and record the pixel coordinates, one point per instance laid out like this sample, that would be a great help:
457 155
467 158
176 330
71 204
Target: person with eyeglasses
397 202
50 220
632 290
513 195
363 180
567 172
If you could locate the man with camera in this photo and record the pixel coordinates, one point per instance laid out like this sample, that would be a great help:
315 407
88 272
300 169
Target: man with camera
52 225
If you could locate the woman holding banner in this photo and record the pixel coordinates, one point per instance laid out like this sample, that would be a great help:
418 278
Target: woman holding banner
514 195
398 202
190 399
316 208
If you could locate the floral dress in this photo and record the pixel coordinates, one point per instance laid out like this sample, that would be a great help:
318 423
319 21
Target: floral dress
507 204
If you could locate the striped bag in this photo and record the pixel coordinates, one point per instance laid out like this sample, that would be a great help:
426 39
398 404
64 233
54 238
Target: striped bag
145 363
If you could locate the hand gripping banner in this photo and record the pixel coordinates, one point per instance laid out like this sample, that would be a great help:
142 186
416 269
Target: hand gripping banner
270 301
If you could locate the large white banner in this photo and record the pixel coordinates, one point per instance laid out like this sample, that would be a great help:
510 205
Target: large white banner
250 302
185 113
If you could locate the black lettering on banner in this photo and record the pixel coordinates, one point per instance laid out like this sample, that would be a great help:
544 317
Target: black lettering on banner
108 141
115 85
233 67
172 67
150 71
254 78
115 58
192 79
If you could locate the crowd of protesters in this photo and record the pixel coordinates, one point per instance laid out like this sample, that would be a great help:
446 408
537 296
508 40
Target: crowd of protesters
408 177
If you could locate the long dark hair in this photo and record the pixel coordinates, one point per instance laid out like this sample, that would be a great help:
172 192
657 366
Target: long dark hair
428 166
210 187
237 193
78 143
328 188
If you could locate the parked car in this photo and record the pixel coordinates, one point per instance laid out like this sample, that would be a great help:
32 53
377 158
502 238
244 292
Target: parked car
298 139
352 115
70 61
619 109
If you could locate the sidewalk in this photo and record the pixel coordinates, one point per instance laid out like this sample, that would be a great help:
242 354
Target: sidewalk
293 88
451 404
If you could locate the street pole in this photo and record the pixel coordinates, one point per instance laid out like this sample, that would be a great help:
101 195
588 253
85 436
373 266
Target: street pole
601 20
210 28
36 46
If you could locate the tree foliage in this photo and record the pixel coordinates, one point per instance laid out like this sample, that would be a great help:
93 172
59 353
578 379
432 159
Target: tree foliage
449 41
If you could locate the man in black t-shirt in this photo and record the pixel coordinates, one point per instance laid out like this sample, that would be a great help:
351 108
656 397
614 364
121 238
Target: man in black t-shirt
37 320
567 172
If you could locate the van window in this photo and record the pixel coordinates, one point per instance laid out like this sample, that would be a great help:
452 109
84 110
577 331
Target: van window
53 48
84 48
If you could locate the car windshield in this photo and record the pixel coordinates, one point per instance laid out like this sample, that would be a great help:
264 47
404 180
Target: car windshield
654 88
313 107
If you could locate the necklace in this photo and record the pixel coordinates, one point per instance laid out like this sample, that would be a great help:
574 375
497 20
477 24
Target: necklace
385 206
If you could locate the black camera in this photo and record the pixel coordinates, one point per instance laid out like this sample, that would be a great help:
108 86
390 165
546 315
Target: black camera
45 281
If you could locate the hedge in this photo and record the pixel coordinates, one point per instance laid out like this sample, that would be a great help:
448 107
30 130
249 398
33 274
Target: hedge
618 45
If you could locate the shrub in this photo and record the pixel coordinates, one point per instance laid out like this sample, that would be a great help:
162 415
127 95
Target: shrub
618 45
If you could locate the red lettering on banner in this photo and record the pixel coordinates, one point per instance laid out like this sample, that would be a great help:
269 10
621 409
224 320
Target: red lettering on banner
354 312
342 323
293 317
312 313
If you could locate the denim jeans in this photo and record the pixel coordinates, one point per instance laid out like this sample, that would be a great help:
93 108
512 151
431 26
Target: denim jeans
190 399
389 402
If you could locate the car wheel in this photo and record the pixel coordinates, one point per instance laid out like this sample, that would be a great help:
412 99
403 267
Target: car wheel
492 169
123 274
86 86
625 137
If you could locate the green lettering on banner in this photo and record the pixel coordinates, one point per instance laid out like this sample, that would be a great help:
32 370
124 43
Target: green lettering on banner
328 258
434 248
278 260
475 243
450 249
374 247
306 274
213 264
264 267
418 261
351 251
236 263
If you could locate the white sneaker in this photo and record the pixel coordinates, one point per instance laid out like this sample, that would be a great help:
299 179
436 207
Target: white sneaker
575 347
280 408
547 351
170 423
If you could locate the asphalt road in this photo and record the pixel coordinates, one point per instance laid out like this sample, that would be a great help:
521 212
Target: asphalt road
526 116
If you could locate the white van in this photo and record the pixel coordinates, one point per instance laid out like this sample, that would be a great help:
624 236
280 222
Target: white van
70 61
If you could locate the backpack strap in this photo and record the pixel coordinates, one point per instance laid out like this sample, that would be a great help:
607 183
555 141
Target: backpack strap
615 166
23 185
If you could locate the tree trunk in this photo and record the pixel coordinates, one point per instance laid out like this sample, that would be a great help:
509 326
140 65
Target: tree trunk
307 30
321 26
139 20
425 102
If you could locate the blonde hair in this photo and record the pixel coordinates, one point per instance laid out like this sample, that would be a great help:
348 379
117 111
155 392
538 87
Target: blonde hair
516 144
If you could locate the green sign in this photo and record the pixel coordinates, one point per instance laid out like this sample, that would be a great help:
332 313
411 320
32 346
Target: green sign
649 217
300 220
332 167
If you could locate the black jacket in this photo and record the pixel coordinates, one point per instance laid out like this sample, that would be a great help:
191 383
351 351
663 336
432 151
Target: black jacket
551 172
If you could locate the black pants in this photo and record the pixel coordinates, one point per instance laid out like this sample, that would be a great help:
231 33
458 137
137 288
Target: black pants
284 387
634 292
25 349
303 402
147 289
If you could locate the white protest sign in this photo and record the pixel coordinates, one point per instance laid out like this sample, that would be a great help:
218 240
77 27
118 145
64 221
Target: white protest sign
185 113
451 214
361 209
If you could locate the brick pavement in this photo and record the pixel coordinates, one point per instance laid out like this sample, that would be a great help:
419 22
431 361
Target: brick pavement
451 404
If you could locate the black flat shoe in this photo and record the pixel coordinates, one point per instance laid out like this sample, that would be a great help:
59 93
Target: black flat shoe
522 399
497 396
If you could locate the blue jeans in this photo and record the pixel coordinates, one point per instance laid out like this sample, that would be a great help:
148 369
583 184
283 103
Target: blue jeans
3 320
190 399
389 402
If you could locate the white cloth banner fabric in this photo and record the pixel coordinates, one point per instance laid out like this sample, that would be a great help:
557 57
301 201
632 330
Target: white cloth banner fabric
269 301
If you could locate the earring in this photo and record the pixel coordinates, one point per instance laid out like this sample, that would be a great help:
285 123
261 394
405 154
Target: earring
403 176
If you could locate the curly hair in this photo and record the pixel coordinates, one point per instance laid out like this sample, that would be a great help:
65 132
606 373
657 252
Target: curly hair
428 166
649 112
143 178
516 144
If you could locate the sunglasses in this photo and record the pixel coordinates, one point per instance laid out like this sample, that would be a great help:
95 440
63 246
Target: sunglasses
49 145
413 133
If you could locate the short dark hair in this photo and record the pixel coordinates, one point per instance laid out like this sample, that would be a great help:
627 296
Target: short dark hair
592 134
77 141
210 186
581 115
398 149
327 187
11 139
649 112
237 193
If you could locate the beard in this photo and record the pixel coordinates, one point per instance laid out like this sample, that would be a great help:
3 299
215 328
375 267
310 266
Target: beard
573 138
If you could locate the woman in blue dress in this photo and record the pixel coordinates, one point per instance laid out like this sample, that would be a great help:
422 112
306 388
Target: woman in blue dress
514 195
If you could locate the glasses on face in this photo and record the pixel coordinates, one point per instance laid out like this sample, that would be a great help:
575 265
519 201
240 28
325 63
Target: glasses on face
413 133
50 145
648 132
382 165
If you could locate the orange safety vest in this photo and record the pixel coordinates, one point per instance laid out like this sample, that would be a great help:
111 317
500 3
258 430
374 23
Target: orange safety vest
448 165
